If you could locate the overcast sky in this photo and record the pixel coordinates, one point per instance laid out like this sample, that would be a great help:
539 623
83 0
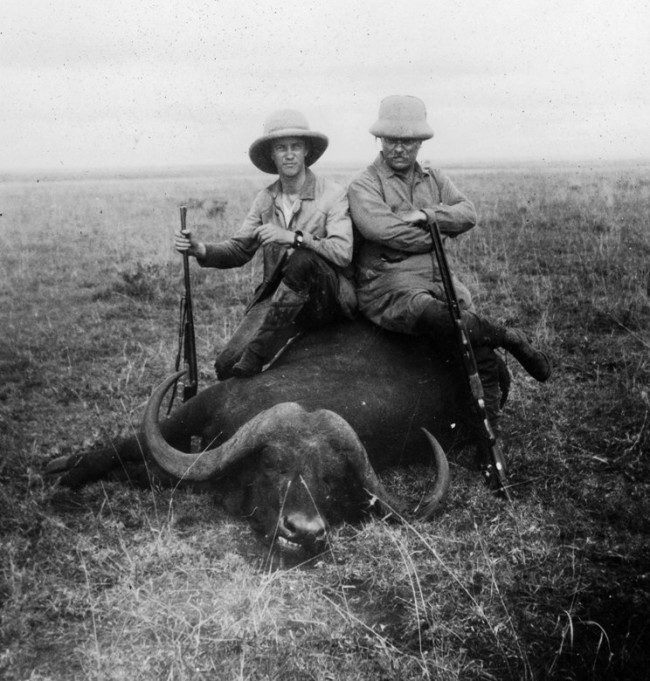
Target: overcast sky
102 83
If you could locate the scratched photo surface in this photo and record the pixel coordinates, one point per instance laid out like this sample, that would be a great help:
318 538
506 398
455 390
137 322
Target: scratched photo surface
115 116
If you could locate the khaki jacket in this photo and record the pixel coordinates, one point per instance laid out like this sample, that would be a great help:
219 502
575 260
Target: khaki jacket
323 217
395 271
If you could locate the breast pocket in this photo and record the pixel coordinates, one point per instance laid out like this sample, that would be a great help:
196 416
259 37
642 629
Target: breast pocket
314 224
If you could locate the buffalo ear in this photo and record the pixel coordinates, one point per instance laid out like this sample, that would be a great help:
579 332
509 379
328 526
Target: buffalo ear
62 464
76 470
380 501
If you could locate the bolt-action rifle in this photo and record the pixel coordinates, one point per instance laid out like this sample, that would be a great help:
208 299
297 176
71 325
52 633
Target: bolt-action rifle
186 339
494 472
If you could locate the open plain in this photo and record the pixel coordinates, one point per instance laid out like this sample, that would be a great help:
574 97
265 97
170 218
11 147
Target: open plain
116 582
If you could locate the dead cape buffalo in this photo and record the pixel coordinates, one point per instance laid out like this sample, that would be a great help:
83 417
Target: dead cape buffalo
295 448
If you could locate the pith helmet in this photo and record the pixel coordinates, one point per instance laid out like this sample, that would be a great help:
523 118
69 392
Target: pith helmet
404 117
285 123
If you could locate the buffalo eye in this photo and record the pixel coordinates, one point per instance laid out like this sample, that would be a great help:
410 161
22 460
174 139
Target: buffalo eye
271 464
330 481
268 463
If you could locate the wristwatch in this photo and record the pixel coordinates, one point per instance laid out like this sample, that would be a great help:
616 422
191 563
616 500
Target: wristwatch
298 239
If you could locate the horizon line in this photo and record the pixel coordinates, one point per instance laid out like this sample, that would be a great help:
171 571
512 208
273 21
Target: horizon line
325 165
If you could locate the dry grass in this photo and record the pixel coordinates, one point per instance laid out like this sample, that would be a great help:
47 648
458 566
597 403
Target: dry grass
114 582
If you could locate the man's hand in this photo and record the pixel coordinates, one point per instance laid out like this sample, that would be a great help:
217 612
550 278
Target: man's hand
184 242
272 234
413 216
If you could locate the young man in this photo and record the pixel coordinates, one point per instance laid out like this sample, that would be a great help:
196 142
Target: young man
303 226
391 203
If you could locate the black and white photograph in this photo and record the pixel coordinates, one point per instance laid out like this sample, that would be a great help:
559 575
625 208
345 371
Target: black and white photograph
325 347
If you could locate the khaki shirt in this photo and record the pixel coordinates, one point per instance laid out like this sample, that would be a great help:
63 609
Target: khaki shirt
322 216
396 274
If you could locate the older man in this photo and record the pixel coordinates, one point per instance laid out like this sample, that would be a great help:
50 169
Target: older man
303 226
391 203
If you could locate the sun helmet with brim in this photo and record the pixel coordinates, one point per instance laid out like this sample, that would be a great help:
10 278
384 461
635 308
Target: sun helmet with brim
285 123
402 117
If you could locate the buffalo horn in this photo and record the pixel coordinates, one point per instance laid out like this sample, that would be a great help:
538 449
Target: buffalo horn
428 506
211 462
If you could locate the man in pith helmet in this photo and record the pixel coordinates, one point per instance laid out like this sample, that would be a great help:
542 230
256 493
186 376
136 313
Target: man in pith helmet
303 226
391 203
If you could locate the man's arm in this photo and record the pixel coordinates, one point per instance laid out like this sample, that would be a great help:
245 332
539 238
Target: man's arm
235 251
455 213
337 242
376 221
232 252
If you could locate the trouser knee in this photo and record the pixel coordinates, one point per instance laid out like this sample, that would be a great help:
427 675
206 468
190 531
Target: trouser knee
308 274
299 270
434 321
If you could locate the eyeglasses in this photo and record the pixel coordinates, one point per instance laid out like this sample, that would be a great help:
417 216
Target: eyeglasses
394 142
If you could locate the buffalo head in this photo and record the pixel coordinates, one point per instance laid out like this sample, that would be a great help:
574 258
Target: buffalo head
296 472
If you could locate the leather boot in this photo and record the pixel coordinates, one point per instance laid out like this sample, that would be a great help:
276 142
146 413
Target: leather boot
276 329
435 321
487 332
534 361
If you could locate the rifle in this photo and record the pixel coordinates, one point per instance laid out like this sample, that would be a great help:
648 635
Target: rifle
494 472
186 339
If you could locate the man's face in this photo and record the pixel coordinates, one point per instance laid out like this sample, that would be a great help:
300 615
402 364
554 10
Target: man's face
400 154
289 154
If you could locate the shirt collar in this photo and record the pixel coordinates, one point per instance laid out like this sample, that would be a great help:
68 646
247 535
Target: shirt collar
307 191
384 169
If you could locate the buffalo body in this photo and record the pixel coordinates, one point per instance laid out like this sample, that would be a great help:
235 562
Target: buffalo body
349 385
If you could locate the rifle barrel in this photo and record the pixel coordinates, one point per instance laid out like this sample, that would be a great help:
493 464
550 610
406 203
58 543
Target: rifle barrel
495 472
187 323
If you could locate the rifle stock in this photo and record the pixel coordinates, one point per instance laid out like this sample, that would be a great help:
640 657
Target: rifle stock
495 470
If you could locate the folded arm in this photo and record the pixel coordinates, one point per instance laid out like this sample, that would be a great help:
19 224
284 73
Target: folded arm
455 213
376 221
